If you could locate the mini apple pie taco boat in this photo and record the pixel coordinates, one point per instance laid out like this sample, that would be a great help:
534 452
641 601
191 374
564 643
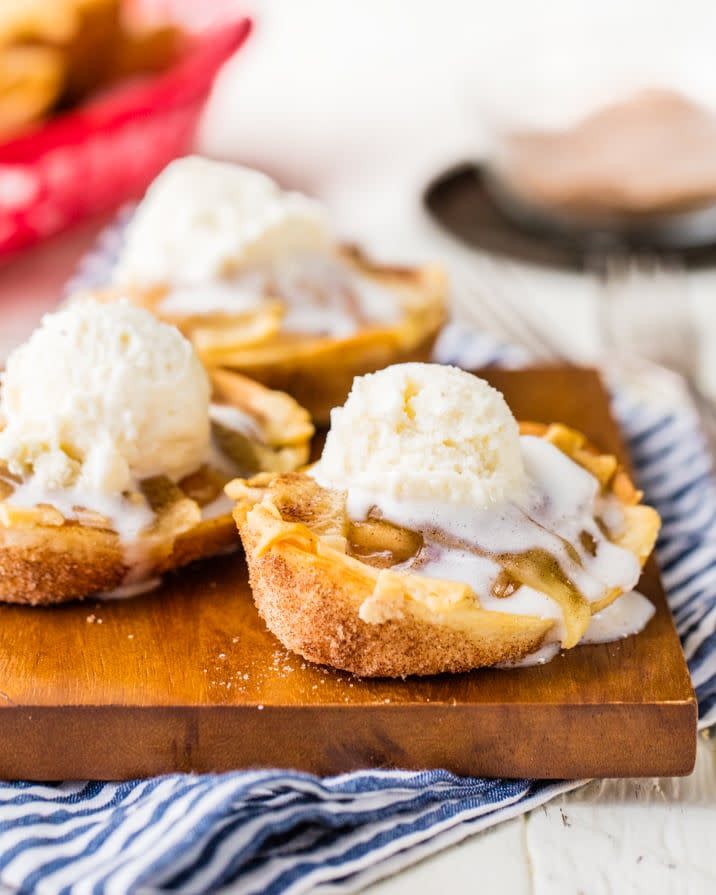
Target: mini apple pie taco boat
340 582
63 537
261 286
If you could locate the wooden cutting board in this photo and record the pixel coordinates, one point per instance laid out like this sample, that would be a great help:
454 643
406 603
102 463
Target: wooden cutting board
189 679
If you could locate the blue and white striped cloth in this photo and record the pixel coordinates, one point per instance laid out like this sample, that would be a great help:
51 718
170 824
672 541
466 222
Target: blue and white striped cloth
279 831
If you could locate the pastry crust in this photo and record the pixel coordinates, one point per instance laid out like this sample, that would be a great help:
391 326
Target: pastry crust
45 565
334 609
318 371
46 559
311 602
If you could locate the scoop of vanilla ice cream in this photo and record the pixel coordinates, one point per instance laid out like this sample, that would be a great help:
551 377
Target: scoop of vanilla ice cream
202 219
424 432
102 395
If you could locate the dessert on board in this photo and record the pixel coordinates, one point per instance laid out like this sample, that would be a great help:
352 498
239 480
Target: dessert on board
255 278
115 446
436 534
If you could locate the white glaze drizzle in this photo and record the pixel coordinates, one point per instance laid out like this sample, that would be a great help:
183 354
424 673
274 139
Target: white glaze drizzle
130 589
220 506
232 295
129 517
626 616
231 417
561 502
541 656
321 296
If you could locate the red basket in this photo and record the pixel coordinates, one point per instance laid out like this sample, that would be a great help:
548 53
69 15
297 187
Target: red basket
109 149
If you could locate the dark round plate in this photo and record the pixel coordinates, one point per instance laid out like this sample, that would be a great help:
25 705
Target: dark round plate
462 203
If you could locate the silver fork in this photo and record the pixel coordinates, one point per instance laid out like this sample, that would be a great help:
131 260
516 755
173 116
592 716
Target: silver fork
481 295
643 311
644 315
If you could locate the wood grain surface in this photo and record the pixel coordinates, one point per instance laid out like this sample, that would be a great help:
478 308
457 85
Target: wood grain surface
189 679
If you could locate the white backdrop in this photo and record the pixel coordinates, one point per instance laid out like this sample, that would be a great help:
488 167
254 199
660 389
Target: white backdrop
360 101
